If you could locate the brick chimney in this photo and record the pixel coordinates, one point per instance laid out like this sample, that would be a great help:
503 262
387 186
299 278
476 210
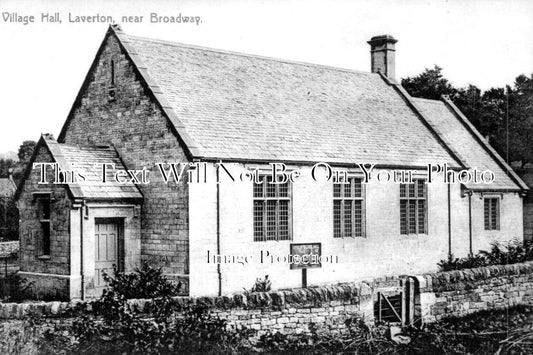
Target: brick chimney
382 55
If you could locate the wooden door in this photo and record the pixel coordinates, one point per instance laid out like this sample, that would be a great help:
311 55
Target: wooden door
106 252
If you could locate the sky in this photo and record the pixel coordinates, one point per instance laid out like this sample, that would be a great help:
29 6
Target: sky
487 43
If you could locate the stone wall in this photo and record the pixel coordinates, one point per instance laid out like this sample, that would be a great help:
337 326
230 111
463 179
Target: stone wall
31 233
47 272
143 137
9 266
460 292
327 307
9 258
454 293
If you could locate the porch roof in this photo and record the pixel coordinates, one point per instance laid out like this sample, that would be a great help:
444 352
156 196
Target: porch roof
87 161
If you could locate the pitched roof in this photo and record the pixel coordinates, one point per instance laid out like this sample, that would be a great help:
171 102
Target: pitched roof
233 106
458 132
7 187
239 107
83 161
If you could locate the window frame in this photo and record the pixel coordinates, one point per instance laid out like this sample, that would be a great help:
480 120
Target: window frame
111 86
112 74
264 178
490 199
45 221
342 198
416 198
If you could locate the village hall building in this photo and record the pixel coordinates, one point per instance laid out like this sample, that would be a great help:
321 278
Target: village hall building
148 103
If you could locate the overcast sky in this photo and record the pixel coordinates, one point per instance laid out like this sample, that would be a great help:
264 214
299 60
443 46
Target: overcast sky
42 65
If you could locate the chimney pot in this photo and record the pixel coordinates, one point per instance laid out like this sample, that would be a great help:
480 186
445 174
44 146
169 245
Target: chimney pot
382 54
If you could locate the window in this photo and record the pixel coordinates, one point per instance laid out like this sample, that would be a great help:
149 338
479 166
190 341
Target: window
112 73
492 213
111 90
44 218
348 209
272 211
413 208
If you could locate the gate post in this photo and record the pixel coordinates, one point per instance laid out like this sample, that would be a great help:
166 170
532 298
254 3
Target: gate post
408 300
403 285
411 301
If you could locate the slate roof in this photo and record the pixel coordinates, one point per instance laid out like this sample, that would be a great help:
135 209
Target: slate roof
241 107
7 187
83 159
471 146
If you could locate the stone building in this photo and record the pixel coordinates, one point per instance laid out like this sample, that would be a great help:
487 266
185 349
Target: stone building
146 104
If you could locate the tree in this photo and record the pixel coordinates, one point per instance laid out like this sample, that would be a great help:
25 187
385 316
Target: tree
5 165
487 110
9 219
521 119
469 101
26 150
431 84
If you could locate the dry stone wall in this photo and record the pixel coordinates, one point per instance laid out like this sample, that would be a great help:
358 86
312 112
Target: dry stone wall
460 292
9 258
444 294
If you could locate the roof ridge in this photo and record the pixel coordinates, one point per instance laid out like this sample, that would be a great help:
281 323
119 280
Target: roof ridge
249 55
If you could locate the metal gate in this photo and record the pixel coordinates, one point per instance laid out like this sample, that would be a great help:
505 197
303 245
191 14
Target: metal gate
399 307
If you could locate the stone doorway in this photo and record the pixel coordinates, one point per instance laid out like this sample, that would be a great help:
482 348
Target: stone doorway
107 236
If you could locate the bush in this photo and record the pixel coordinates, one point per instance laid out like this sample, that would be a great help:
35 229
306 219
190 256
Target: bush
487 332
18 337
261 285
14 288
111 325
144 282
360 338
9 210
469 262
516 251
116 328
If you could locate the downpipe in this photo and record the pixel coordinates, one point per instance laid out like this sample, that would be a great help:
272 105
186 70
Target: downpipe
219 271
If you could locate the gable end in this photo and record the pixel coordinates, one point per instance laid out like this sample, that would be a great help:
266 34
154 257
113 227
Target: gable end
148 85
